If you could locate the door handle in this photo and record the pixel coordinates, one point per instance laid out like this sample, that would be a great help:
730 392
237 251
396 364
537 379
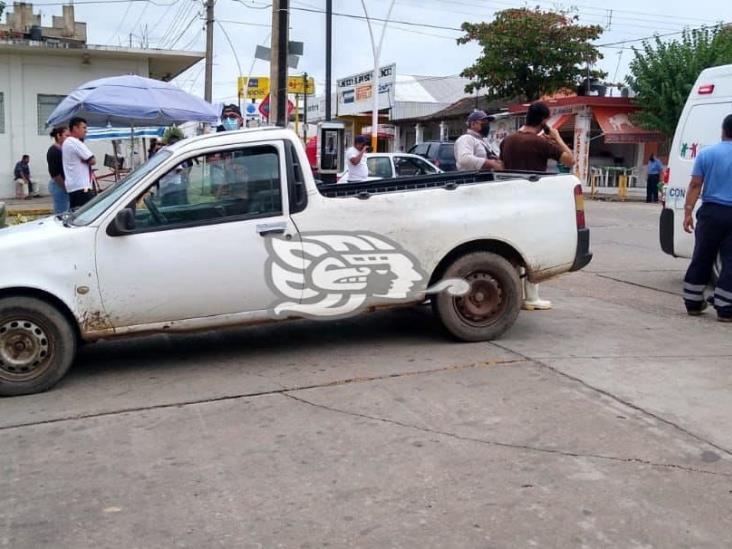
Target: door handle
271 228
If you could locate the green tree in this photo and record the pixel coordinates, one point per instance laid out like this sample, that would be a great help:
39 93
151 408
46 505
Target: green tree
528 53
173 132
662 74
2 8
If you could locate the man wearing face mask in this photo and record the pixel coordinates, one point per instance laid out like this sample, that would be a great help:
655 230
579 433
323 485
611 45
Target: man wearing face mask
471 151
231 118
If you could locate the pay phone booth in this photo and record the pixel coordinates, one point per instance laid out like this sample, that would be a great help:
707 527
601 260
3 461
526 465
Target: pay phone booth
331 150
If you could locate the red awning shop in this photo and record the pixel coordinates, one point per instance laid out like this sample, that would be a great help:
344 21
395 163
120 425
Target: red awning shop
602 134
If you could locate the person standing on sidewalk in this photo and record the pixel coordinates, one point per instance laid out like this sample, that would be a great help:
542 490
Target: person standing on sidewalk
471 151
655 167
712 178
57 185
77 163
529 149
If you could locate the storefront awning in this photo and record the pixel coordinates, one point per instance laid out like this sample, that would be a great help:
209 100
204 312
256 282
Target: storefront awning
617 127
558 120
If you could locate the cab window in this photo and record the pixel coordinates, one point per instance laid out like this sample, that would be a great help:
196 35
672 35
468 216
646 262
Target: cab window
214 187
379 166
406 166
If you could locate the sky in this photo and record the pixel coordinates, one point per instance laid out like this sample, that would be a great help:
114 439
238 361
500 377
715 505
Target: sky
420 38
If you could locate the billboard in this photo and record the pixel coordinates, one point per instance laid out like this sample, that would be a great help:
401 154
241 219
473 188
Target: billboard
354 92
256 87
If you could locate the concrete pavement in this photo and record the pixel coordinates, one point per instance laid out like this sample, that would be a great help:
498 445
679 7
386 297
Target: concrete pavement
600 423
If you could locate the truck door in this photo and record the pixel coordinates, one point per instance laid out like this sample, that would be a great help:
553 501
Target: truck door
199 244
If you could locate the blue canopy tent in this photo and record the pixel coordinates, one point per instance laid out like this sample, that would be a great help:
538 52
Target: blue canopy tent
129 101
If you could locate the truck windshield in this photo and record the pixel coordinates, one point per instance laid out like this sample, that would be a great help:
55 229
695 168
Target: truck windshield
95 207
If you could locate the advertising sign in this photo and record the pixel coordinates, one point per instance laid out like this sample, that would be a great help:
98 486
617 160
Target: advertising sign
354 92
256 87
296 84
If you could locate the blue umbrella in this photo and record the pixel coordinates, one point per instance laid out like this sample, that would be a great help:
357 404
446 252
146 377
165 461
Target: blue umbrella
125 101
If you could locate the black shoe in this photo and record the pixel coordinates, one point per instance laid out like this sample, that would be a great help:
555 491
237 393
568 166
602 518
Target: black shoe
724 318
699 311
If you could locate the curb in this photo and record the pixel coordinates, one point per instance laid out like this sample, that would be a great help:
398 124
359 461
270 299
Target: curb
36 212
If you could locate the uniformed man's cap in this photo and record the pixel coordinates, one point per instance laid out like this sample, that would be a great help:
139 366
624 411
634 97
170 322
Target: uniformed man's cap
477 116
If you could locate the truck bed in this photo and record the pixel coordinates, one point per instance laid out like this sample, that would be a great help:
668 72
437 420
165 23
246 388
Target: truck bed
448 180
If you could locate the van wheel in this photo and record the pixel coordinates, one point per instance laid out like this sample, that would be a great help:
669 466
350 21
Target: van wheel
491 305
37 346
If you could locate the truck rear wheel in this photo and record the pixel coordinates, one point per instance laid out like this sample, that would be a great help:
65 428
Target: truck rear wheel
491 305
37 346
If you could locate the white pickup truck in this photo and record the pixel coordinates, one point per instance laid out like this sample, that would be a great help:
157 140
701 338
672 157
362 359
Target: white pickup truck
231 229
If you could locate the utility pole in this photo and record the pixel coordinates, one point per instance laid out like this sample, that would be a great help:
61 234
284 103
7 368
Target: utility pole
278 65
208 88
305 109
328 55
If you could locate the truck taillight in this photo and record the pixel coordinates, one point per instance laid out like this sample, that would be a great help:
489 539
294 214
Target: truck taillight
666 175
579 206
706 90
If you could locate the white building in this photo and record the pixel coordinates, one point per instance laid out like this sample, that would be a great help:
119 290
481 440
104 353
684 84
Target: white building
39 66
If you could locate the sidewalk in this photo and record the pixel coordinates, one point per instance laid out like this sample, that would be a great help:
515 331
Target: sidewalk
610 194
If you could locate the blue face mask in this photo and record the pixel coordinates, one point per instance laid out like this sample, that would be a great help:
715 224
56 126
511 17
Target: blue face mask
230 124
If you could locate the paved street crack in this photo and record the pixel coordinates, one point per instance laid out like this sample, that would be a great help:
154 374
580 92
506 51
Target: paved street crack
537 449
620 400
362 379
677 294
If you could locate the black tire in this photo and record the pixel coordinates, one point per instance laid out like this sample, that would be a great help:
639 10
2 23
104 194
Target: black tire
492 304
37 346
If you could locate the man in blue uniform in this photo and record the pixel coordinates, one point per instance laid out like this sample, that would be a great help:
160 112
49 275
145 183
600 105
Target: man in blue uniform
712 177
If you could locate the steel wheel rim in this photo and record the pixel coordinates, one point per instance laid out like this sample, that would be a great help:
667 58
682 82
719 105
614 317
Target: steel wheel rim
484 303
25 350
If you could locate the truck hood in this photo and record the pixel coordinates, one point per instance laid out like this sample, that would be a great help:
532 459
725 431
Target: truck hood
41 237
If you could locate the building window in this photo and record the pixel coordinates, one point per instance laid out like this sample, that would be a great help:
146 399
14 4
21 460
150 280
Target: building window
46 105
2 112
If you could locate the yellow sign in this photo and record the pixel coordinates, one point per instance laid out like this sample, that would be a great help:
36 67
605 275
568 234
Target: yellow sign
296 84
256 87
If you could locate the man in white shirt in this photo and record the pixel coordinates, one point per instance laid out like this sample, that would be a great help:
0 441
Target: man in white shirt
356 160
471 151
77 160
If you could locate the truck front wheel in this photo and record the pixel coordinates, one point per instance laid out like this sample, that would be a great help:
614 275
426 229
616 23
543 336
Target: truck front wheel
491 305
37 346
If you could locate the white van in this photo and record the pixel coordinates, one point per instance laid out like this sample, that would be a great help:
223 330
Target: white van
700 125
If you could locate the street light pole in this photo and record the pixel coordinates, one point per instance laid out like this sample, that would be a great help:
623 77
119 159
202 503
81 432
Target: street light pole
328 55
208 87
375 80
236 57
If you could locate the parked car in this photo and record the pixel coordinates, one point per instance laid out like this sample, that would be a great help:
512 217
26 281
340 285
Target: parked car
708 103
390 165
246 237
440 153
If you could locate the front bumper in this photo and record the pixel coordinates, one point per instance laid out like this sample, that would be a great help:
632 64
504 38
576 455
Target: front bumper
583 255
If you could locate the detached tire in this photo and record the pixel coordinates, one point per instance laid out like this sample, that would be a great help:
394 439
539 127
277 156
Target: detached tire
492 303
37 346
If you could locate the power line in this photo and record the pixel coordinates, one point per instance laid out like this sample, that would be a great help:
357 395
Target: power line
188 26
121 22
621 42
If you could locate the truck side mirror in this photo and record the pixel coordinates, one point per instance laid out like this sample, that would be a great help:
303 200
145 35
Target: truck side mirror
123 223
